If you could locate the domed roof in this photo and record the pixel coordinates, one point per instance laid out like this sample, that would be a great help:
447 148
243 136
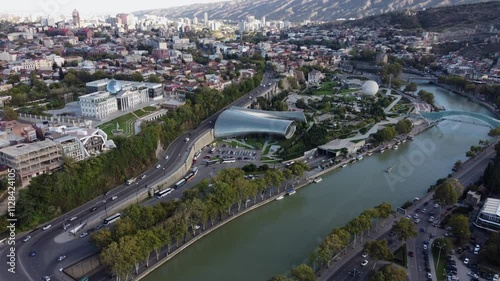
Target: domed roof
114 87
370 87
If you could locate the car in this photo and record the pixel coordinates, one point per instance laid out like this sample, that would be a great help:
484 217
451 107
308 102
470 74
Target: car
99 226
410 254
473 275
186 140
46 227
166 157
114 198
431 219
73 218
158 166
84 234
60 258
426 203
26 238
429 276
364 263
415 216
424 210
422 229
476 250
417 221
143 177
417 210
32 253
46 278
196 227
364 255
425 246
495 277
436 205
93 209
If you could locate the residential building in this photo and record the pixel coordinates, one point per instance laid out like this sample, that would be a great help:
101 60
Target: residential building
489 216
315 76
78 143
32 159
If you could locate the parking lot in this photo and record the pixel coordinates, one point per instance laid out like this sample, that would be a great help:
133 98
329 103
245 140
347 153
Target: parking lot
226 151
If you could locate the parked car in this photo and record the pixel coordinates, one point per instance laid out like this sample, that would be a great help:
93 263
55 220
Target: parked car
46 227
364 263
60 258
84 234
364 255
26 238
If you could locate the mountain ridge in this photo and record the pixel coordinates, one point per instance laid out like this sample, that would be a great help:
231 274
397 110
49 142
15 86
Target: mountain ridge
296 10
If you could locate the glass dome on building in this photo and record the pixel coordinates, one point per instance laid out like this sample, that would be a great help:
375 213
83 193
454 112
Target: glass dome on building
114 87
238 121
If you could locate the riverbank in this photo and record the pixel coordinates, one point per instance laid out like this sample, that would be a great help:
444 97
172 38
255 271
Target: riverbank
469 97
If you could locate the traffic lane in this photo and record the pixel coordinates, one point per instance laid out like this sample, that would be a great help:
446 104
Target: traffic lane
124 191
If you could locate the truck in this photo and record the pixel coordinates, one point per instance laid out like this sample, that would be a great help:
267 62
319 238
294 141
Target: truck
131 181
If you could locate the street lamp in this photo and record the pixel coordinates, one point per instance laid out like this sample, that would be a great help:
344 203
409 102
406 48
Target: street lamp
439 254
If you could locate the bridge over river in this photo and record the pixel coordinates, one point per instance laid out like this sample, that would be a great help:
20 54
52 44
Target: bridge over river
483 120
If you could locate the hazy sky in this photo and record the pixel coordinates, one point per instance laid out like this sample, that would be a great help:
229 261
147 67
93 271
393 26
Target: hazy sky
91 6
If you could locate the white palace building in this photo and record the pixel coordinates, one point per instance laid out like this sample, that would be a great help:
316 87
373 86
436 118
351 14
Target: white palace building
108 96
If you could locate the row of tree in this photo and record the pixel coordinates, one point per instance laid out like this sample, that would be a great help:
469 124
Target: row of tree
491 91
339 239
144 230
49 196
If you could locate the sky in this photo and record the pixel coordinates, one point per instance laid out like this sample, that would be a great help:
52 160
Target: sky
89 7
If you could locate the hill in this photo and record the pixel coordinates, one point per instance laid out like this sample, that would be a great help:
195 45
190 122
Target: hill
296 10
454 17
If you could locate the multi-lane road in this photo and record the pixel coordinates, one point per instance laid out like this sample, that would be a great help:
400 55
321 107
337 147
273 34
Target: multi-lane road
49 244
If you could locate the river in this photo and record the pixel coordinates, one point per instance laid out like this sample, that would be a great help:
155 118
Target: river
280 235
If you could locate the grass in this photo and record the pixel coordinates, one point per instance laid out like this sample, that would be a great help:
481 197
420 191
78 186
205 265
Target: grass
242 145
348 91
268 147
145 111
126 123
149 109
256 143
401 256
326 88
440 268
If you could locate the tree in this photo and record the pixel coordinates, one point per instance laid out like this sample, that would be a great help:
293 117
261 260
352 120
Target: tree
444 243
494 132
491 250
389 272
412 87
303 272
447 193
405 229
154 79
9 114
404 126
136 76
102 238
460 227
428 97
378 250
386 134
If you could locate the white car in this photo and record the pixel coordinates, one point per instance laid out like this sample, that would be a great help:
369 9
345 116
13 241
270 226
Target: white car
436 205
425 246
46 227
26 238
415 216
466 261
473 275
84 234
143 177
61 258
158 166
364 255
166 157
476 250
73 218
364 263
46 278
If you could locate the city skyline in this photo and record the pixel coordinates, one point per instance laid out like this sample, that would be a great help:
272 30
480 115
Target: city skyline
45 7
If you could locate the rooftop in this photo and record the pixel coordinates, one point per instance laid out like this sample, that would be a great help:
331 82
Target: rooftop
26 148
491 207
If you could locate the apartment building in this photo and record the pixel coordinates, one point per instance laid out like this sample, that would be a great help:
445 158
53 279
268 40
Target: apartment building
489 216
32 159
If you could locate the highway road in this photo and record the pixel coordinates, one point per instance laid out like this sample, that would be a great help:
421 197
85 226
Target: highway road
50 244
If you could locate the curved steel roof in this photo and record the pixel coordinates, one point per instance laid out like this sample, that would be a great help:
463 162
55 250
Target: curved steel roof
238 121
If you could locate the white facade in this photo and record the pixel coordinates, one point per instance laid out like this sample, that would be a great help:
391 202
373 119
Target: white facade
129 99
98 105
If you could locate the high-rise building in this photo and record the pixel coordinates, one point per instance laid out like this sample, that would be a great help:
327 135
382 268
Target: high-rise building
76 18
263 20
205 17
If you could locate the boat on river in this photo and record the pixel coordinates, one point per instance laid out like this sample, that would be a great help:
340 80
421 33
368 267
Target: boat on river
280 197
382 150
360 157
369 153
291 191
343 166
318 179
395 147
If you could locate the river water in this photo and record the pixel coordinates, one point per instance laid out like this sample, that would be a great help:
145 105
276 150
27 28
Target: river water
280 235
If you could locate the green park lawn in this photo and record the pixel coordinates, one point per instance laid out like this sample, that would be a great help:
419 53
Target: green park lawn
440 268
126 123
326 88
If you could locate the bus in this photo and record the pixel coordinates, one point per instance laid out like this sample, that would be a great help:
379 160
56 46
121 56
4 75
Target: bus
228 160
212 162
131 181
195 170
163 193
112 219
180 183
189 177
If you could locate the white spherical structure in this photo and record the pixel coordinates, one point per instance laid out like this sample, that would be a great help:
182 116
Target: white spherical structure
370 88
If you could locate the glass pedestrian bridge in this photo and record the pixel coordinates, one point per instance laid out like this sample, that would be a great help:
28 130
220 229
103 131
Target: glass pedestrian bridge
445 115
